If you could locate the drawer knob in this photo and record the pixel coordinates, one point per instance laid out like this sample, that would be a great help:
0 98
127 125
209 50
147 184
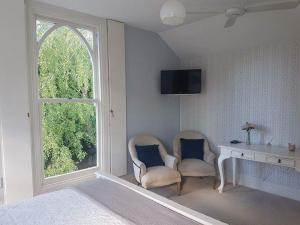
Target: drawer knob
279 160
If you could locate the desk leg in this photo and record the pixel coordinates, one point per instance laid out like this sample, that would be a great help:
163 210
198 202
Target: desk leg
234 171
221 171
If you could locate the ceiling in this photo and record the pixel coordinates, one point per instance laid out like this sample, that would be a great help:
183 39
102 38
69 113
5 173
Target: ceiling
144 14
209 36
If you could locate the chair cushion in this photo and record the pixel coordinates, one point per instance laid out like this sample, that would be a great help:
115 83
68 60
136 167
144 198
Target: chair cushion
196 168
192 148
149 155
158 176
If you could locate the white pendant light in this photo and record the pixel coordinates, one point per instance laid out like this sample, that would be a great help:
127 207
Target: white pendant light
172 13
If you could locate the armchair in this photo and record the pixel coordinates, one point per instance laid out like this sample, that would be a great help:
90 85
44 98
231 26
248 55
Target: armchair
155 176
194 167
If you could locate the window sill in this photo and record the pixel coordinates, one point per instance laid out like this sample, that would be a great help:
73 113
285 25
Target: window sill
68 180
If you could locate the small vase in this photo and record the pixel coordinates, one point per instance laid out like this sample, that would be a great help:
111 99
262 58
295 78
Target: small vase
248 141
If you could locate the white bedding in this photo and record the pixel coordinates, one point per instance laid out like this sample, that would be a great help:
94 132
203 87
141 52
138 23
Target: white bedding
66 207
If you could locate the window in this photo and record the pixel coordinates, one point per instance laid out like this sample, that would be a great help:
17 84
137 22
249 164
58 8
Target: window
66 98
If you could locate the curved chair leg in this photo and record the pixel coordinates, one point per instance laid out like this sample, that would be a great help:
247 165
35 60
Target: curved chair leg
215 183
178 188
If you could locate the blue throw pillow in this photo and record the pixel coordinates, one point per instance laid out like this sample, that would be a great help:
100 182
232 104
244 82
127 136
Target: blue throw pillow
192 148
149 155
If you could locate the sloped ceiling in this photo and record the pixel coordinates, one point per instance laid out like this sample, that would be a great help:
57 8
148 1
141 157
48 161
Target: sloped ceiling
208 35
144 14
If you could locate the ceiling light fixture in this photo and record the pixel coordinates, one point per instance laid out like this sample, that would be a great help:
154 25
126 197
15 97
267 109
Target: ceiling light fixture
173 13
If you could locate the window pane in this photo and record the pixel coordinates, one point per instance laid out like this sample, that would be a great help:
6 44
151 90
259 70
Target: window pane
68 137
65 67
88 35
42 27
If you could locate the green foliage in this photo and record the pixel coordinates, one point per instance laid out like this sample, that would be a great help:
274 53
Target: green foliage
69 129
42 27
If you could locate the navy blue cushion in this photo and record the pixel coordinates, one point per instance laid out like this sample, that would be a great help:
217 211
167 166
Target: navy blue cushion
192 148
149 155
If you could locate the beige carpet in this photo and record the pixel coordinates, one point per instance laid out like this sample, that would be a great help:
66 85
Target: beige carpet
236 206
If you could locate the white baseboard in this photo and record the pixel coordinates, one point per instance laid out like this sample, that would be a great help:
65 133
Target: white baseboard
272 188
185 211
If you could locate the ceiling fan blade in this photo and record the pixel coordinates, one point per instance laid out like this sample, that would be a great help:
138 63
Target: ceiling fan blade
204 12
230 21
271 7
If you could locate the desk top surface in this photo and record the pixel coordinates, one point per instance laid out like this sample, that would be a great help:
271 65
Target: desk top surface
268 149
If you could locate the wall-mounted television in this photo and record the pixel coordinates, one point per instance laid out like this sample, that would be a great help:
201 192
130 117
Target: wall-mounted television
180 82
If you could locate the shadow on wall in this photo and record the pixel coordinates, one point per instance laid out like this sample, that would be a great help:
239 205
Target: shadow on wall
149 112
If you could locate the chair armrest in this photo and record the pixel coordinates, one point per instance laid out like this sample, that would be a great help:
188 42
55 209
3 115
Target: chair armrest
171 162
139 169
209 158
177 156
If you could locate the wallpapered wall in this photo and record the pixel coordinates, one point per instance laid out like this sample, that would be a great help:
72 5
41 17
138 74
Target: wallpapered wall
259 85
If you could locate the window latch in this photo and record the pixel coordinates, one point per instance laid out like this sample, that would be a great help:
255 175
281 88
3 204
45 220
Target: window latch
112 113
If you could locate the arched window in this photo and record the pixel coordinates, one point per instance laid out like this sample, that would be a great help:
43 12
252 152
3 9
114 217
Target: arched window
66 97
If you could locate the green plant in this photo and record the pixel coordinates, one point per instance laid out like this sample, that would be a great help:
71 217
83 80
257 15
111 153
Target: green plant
69 129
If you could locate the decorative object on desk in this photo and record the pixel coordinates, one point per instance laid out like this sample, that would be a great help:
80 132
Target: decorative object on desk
248 127
292 147
270 142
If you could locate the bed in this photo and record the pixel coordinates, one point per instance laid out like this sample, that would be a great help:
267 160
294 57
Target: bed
106 200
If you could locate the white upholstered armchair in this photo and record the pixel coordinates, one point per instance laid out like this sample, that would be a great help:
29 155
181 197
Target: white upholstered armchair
194 167
155 176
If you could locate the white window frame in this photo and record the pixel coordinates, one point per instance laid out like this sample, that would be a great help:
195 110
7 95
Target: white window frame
72 19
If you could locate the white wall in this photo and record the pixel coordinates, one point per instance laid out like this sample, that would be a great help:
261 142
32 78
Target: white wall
16 143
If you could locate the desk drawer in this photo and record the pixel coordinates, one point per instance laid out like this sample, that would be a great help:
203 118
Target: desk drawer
281 161
259 157
242 155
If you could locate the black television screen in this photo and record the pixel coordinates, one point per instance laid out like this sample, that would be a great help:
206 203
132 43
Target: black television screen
181 81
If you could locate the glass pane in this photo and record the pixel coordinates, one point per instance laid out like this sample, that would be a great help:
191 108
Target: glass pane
42 27
88 35
65 67
68 137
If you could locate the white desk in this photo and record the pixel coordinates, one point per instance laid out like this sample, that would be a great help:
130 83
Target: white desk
260 153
